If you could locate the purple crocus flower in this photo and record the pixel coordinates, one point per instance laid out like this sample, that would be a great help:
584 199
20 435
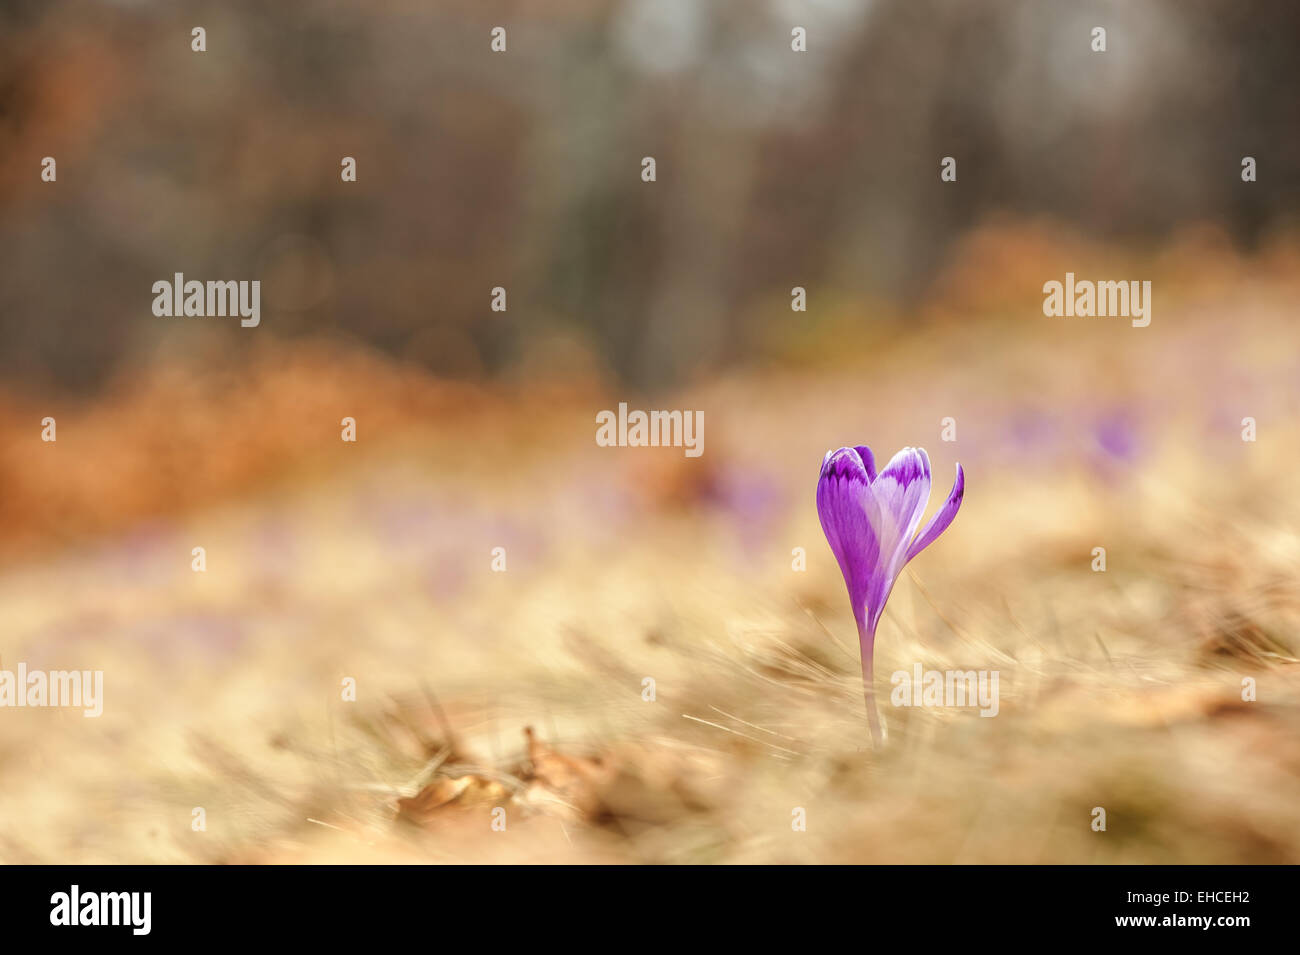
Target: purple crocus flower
870 522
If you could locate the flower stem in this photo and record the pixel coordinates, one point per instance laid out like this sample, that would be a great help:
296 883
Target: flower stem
867 643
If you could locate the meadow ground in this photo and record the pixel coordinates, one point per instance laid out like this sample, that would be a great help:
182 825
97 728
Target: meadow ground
327 561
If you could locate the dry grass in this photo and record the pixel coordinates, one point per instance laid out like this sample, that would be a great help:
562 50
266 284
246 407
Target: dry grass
1120 690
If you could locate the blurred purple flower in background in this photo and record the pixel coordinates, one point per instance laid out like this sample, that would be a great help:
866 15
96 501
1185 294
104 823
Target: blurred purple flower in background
753 502
1117 435
870 522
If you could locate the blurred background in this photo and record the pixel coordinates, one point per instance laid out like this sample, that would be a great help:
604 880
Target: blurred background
522 169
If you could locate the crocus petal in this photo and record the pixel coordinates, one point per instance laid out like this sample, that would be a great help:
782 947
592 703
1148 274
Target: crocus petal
868 460
903 490
849 512
942 517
